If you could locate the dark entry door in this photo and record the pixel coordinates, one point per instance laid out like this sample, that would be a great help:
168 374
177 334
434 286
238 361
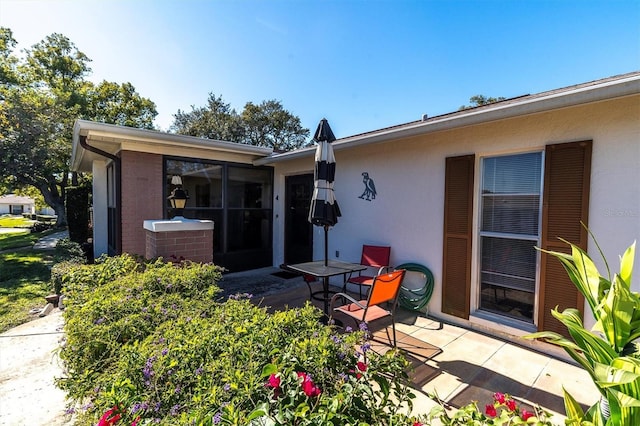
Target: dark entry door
298 234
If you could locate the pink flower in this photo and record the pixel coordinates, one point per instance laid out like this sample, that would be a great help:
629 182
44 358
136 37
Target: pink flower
362 366
416 423
511 405
274 382
110 417
308 387
490 410
526 415
499 397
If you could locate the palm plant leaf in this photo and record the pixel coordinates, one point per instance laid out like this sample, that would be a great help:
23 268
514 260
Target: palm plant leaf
573 410
578 269
593 346
603 351
626 264
616 314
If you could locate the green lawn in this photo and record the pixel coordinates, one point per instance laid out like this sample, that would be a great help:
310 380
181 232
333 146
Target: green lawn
24 282
16 240
24 277
15 222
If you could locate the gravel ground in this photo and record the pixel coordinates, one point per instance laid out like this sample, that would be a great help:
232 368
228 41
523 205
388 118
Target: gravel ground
28 366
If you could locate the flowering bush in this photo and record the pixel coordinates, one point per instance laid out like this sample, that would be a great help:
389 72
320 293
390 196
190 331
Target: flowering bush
503 411
151 345
148 343
120 301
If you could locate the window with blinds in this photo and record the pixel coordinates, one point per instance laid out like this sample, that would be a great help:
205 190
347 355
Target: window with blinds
510 203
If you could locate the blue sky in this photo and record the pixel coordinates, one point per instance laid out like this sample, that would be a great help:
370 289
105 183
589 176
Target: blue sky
361 64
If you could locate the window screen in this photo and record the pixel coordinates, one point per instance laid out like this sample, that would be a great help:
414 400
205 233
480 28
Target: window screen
509 232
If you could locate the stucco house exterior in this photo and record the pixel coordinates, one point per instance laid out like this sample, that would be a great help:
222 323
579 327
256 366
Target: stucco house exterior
16 204
468 194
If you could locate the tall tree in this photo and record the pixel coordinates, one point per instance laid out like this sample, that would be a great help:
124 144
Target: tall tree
479 100
40 97
217 120
119 104
267 124
270 125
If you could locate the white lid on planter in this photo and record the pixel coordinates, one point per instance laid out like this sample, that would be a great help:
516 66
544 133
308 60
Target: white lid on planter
178 224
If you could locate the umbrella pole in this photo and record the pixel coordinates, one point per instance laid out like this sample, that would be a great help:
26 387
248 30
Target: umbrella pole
326 244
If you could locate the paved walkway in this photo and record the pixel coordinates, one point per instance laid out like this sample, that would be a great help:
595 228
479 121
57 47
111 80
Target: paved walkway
28 367
49 242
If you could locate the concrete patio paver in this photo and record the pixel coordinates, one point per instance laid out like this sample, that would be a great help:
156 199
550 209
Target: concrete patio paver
472 366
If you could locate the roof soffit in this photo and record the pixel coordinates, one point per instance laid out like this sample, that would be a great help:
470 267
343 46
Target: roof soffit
112 139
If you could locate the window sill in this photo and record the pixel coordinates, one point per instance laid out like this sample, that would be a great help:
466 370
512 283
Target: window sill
504 324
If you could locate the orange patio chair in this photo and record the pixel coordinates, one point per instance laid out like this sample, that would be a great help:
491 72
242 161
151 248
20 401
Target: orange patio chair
376 259
384 289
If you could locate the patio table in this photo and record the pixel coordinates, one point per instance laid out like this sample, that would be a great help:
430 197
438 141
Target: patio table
319 269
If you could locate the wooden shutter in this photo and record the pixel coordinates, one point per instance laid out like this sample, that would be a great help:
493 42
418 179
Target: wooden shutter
458 210
565 204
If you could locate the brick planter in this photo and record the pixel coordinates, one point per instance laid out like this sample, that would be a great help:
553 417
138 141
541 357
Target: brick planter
179 238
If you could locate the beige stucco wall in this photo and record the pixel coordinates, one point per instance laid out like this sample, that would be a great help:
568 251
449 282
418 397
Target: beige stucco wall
409 177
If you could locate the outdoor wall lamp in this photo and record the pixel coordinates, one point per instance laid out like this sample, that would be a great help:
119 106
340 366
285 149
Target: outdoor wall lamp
178 198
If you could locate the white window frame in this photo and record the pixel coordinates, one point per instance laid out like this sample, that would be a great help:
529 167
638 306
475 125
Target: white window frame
483 317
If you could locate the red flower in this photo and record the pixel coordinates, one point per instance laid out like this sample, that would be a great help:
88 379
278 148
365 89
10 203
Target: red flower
362 366
490 410
526 415
308 387
499 397
274 382
358 375
416 423
511 405
110 417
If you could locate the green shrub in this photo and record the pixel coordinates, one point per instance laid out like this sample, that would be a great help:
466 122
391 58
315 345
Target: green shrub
77 209
67 250
120 301
153 343
79 281
67 255
58 273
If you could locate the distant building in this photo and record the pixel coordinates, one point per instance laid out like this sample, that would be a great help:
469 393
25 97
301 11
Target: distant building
17 205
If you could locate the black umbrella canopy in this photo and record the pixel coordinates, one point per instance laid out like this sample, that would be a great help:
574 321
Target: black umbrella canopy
324 132
324 209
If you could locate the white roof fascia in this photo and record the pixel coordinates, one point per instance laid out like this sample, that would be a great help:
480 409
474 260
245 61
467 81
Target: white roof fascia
527 105
16 199
117 135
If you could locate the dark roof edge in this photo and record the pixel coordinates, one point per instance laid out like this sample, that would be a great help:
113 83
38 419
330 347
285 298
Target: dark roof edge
595 91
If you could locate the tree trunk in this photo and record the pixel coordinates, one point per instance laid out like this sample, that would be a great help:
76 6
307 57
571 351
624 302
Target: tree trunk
53 198
58 206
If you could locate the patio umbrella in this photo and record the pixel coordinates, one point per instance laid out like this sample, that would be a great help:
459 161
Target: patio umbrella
324 209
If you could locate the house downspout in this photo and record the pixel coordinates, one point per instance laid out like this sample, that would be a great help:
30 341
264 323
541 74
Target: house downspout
83 143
